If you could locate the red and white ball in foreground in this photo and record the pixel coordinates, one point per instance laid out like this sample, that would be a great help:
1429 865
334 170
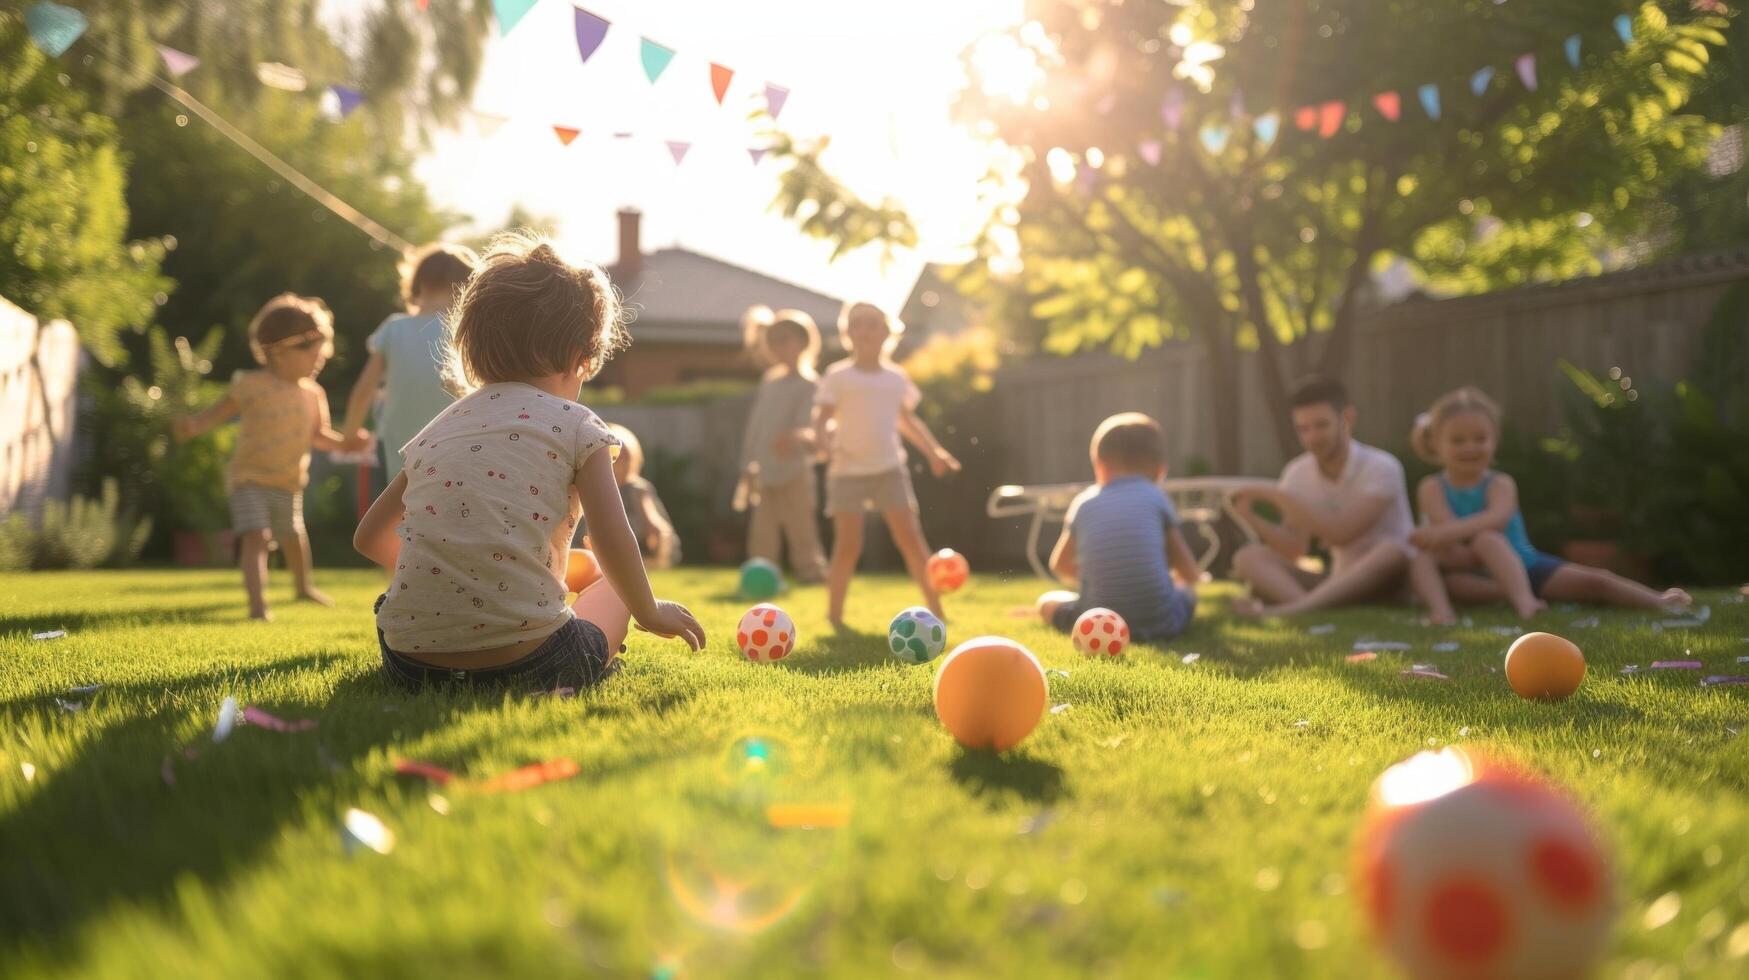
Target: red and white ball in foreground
766 634
1469 870
947 570
1099 632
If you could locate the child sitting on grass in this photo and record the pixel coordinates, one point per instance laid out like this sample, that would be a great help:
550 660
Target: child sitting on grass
284 414
1121 539
865 404
477 527
649 519
1474 547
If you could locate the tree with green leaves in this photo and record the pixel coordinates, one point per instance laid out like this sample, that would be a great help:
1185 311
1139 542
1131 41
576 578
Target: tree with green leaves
1235 172
64 251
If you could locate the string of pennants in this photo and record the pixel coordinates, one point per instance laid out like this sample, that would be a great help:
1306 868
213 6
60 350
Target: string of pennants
1328 118
55 27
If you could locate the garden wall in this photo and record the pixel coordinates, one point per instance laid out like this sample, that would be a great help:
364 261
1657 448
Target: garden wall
39 373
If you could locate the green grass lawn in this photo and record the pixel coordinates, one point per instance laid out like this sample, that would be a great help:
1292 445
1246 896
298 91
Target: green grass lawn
1173 819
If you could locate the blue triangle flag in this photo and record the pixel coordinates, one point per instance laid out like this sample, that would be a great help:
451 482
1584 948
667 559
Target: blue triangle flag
1430 99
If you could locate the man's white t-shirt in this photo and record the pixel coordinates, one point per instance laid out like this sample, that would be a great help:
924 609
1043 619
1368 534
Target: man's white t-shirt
866 406
1369 472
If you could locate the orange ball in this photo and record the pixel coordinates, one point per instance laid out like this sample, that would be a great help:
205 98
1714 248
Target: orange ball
581 571
990 693
1544 667
947 570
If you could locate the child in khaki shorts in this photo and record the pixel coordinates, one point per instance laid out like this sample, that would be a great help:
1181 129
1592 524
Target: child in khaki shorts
868 405
778 447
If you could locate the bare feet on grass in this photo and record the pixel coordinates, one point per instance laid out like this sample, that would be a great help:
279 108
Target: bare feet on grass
1250 607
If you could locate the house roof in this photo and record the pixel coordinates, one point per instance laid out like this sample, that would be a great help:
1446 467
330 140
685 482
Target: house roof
684 297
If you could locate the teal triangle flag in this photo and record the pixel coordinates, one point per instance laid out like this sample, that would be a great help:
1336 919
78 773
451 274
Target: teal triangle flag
1479 81
1573 46
510 12
1624 27
656 59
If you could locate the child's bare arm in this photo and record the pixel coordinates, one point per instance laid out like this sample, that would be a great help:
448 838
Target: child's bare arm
326 439
364 391
1446 528
917 433
1063 561
616 551
1185 571
203 421
376 538
822 428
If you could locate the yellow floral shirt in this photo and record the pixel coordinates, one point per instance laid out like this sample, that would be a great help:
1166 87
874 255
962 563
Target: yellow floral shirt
279 420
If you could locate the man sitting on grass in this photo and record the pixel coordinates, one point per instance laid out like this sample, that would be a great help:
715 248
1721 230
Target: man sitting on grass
1349 496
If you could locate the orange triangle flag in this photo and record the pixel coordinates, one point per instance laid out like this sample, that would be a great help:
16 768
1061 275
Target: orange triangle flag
1306 117
565 134
720 80
1330 116
1390 105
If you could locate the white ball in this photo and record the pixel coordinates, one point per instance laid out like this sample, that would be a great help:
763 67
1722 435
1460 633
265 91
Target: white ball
916 636
1099 632
766 634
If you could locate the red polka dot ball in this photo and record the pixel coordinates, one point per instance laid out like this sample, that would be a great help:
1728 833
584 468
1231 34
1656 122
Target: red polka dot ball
766 634
1469 869
1099 632
947 570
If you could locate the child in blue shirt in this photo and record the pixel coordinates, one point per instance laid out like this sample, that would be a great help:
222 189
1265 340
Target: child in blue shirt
1121 539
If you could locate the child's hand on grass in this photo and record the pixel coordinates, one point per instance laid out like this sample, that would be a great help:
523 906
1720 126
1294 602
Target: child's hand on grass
671 619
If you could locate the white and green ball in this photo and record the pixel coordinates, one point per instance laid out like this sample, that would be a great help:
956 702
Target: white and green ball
916 636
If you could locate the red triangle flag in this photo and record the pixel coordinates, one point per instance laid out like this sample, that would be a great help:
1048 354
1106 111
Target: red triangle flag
1306 117
1390 105
565 134
720 80
1330 116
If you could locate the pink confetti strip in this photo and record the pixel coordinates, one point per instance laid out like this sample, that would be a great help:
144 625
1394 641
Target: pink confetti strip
1361 658
424 770
1724 680
1676 665
261 719
528 777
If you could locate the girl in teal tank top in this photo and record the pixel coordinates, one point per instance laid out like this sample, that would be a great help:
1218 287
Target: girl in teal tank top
1473 543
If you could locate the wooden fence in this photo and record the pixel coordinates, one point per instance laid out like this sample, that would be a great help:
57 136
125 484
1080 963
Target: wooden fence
39 371
1041 412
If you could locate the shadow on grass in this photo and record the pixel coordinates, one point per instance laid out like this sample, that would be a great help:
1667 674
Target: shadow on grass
990 775
839 652
78 620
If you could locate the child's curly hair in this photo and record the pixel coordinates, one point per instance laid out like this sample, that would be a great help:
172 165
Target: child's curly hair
290 320
526 313
1423 437
759 324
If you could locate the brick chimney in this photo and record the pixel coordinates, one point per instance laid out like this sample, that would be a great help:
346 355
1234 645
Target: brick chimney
631 251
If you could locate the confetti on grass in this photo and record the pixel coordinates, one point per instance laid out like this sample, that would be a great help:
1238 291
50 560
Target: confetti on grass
1447 647
227 720
1422 670
50 635
28 770
1361 658
85 690
424 770
70 707
1375 645
513 781
1724 680
1588 623
1058 709
1322 629
807 816
361 829
261 719
1676 665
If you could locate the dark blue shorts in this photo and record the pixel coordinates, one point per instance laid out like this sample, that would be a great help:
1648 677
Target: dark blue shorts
1540 570
574 656
1180 607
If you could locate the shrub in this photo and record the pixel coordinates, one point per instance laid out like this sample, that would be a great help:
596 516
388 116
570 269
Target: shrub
76 533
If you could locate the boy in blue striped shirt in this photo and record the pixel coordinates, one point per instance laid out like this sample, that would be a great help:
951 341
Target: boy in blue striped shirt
1121 540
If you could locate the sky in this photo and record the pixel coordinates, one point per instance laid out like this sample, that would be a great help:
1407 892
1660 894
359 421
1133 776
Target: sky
878 76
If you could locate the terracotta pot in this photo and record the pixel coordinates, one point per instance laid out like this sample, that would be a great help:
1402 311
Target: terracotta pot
203 549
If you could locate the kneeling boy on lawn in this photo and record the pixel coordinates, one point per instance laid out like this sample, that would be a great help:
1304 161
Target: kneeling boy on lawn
1121 540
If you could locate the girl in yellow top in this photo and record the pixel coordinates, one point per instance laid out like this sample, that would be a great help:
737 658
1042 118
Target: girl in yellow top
284 414
476 528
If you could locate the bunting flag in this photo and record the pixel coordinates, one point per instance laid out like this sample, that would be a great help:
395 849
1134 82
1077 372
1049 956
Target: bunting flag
775 97
591 31
1150 151
757 153
1214 137
283 77
1306 118
346 100
489 124
677 149
1236 105
1330 116
655 58
1265 128
1526 65
1573 48
565 134
1624 28
1172 108
1479 81
177 63
424 4
1390 105
510 13
1429 94
54 28
720 76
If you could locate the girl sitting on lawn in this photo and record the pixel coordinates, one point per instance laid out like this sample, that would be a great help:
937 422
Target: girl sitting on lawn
1473 546
476 528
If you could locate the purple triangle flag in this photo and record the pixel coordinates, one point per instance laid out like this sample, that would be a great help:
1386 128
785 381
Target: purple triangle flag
757 153
177 63
775 97
348 99
1172 108
677 149
1150 151
1527 70
591 29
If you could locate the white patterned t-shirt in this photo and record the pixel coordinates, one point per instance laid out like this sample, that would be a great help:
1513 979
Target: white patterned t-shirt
490 509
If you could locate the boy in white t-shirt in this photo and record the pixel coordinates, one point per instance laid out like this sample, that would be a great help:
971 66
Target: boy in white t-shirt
867 407
1348 495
